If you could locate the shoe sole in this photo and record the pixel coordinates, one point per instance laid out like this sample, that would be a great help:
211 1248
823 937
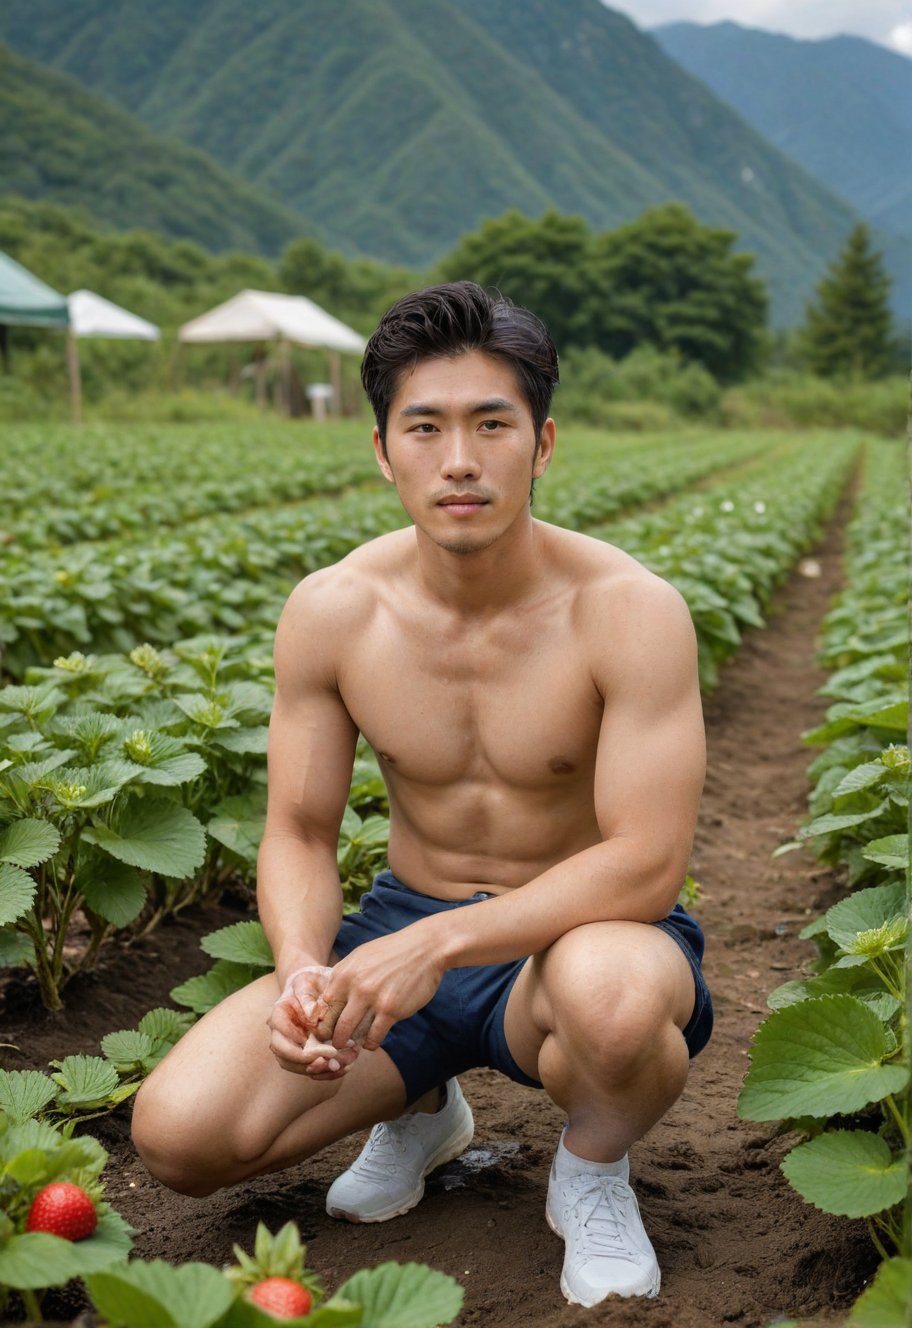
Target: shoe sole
568 1295
449 1150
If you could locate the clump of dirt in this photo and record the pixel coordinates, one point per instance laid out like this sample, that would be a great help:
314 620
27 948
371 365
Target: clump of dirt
736 1244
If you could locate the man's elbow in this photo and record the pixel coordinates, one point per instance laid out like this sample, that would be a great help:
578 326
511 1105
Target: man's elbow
663 881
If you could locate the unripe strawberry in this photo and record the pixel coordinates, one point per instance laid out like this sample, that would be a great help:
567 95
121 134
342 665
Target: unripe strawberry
62 1209
281 1297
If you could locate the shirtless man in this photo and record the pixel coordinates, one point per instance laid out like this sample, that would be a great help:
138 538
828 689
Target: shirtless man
531 694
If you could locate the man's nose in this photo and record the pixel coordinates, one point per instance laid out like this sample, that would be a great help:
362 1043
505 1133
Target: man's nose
460 460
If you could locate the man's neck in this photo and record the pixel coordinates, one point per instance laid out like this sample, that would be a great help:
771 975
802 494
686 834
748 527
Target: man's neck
489 581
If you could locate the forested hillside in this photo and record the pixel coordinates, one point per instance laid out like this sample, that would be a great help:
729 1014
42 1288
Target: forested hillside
393 126
841 106
65 144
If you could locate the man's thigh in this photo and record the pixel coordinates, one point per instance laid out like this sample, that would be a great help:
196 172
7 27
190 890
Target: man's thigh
599 982
220 1093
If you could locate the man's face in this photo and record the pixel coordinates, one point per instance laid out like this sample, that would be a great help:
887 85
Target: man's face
461 450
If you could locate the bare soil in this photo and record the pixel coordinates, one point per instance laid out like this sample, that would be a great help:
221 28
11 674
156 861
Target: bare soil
736 1244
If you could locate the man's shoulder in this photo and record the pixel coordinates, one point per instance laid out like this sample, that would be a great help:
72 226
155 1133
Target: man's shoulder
612 581
346 591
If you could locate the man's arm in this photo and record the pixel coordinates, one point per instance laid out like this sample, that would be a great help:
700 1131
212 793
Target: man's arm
649 776
311 750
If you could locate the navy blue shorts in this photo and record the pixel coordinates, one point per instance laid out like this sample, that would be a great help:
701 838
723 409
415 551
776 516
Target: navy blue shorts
462 1026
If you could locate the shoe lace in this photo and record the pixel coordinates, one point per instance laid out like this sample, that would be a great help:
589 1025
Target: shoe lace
605 1220
387 1144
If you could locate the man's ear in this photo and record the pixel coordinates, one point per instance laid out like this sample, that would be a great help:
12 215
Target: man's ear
545 448
385 468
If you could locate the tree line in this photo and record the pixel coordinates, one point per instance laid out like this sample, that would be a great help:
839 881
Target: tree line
665 282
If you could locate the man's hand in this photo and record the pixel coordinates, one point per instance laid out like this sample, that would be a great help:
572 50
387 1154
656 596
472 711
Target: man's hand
294 1042
378 984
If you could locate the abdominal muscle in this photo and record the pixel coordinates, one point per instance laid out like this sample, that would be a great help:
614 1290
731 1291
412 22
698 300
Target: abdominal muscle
451 844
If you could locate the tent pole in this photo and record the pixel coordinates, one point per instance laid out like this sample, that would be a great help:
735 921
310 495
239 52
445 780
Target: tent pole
72 354
5 346
285 353
335 377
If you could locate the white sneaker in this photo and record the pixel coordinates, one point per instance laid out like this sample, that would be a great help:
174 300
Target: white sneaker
607 1249
387 1178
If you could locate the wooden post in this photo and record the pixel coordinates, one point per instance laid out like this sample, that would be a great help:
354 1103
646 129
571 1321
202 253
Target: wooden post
259 361
335 377
72 354
285 375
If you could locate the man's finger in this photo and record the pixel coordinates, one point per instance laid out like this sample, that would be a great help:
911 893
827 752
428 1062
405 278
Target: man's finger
378 1030
327 1019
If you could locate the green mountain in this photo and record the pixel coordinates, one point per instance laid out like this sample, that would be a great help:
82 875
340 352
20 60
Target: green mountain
842 107
67 145
393 126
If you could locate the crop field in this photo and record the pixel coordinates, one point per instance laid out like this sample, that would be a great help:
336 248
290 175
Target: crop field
142 572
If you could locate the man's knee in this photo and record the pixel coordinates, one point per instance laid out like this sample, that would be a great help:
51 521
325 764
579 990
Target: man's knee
176 1144
607 989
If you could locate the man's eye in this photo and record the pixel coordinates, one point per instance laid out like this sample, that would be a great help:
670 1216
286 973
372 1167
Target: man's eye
426 427
490 426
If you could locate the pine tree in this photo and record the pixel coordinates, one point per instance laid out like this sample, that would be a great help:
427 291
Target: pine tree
848 328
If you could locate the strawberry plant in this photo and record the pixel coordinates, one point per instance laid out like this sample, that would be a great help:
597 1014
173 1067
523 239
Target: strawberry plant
195 1295
55 1224
833 1059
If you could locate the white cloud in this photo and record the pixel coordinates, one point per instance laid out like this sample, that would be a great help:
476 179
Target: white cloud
884 21
901 38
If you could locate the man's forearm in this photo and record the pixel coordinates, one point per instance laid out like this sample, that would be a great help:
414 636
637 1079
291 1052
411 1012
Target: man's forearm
611 881
299 900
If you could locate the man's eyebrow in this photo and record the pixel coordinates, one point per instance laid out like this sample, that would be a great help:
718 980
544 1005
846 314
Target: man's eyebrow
482 408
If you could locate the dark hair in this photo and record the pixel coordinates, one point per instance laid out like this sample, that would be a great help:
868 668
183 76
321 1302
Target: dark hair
449 320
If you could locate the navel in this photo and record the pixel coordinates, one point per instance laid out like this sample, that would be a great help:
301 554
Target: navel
559 766
390 760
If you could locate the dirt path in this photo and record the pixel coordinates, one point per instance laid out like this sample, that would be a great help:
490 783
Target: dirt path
735 1244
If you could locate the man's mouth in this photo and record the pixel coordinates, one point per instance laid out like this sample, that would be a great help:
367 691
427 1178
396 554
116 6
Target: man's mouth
462 504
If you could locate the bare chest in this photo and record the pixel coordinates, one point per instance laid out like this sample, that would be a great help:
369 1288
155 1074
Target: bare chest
514 707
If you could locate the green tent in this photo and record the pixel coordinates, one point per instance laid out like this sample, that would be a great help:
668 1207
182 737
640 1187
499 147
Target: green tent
26 301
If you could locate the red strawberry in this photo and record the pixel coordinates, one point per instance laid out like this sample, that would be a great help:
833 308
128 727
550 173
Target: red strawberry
62 1209
281 1297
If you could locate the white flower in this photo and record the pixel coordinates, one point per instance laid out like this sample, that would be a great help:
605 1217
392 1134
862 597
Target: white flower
760 507
727 506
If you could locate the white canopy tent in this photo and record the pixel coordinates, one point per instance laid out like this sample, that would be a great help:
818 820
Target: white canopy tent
92 315
254 315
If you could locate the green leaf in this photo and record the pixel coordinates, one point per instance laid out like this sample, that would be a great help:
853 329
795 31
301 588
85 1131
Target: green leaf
862 777
127 1049
887 1303
828 825
87 1081
113 890
894 717
238 823
223 979
156 1295
36 1259
83 787
245 742
154 835
110 1243
15 949
165 1026
23 1093
409 1295
818 1058
890 851
17 890
847 1172
863 911
242 943
28 842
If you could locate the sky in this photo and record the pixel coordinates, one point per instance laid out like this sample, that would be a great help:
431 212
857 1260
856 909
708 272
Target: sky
888 22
